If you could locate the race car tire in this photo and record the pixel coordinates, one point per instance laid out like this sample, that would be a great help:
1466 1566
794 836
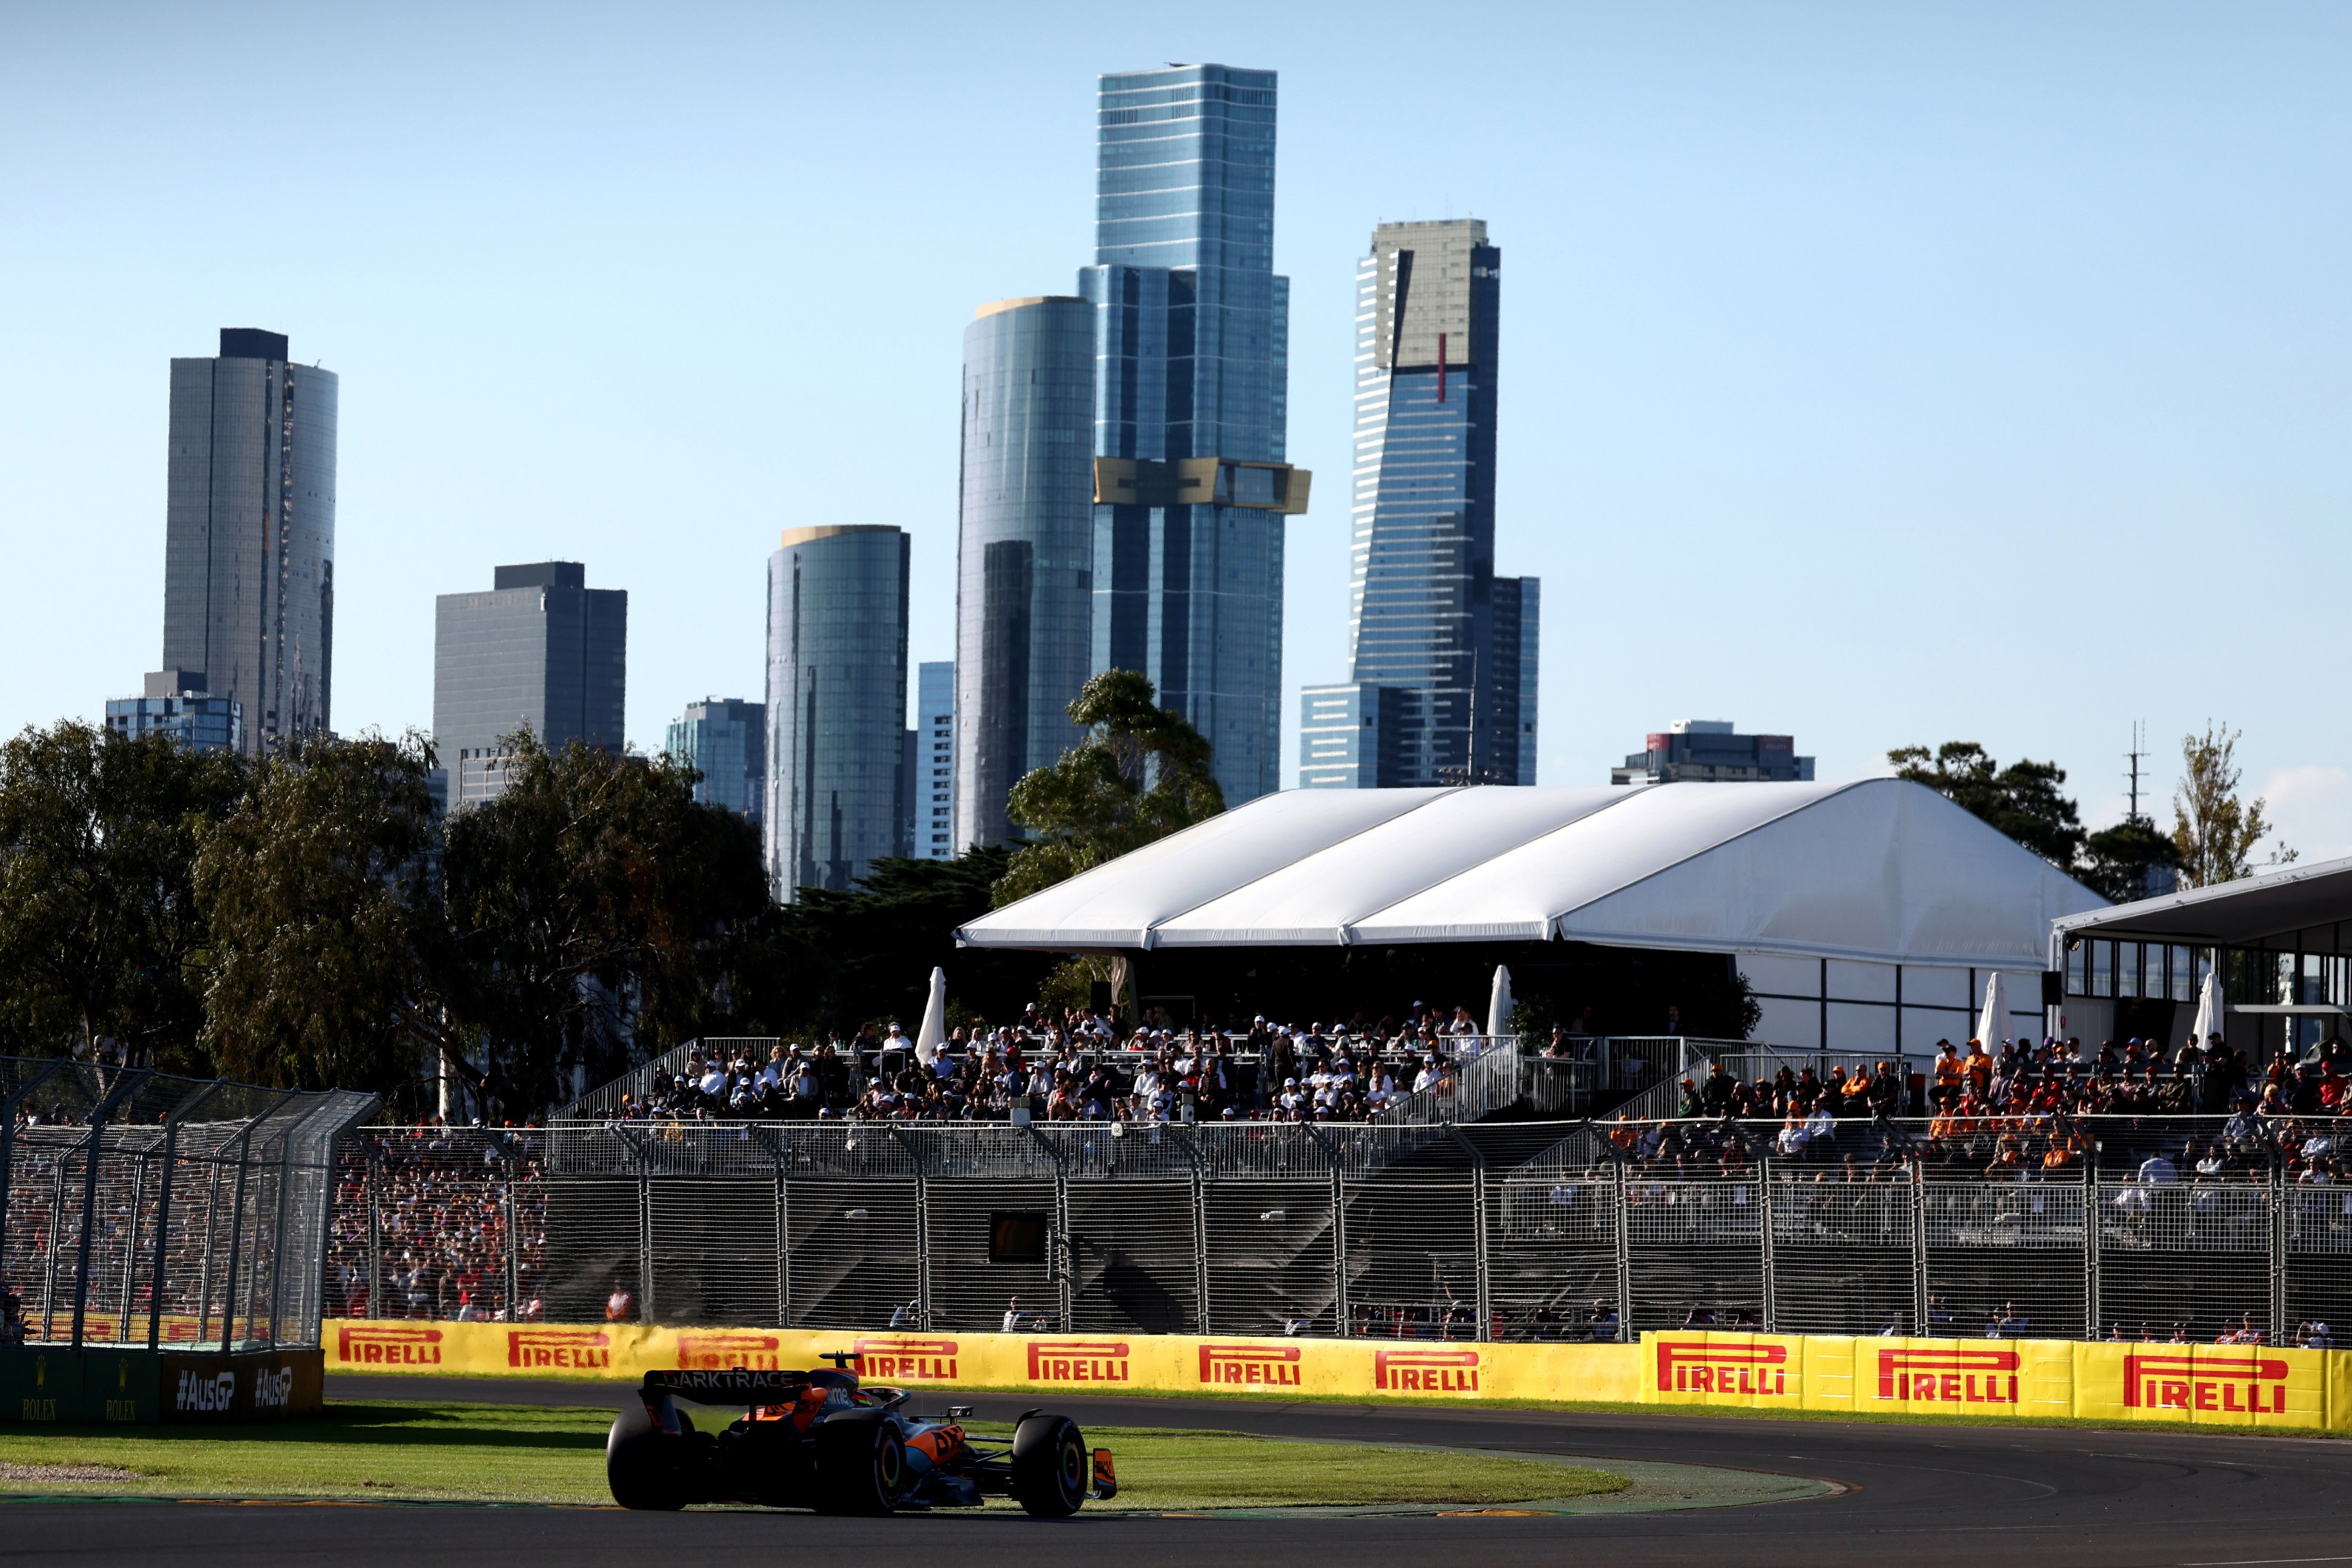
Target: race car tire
639 1462
861 1463
1050 1466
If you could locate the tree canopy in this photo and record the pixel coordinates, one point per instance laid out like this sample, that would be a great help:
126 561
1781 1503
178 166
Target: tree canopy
2021 800
102 942
1140 773
2213 832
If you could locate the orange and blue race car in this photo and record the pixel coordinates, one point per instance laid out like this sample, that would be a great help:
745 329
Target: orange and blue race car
822 1440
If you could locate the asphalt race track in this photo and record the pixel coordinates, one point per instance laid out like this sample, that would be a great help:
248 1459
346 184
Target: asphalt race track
1914 1495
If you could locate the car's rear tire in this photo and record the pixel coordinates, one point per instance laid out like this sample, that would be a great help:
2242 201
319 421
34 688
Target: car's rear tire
1051 1466
640 1462
861 1463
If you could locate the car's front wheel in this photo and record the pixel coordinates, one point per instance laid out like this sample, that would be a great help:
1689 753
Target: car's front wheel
1050 1466
861 1463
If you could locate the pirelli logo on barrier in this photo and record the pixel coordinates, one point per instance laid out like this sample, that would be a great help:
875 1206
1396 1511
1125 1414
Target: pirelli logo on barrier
1425 1371
2225 1385
1078 1361
711 1350
1949 1377
907 1360
1250 1366
1723 1371
559 1350
368 1346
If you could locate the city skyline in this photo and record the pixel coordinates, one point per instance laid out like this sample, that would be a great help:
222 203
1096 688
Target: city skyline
1835 301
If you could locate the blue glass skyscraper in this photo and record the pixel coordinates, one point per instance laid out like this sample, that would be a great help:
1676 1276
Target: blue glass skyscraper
837 705
1189 405
1024 551
1441 652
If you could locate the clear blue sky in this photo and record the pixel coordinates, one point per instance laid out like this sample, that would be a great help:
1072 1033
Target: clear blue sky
1877 374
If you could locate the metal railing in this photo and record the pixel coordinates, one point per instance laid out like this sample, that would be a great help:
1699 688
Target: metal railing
140 1208
2047 1227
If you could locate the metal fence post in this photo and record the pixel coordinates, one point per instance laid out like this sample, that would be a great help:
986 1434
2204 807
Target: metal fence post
2091 1304
2281 1227
1920 1321
923 1247
783 1249
1201 1245
1479 1238
122 1089
645 1299
1065 1259
1764 1230
1338 1242
514 1257
376 1238
1624 1255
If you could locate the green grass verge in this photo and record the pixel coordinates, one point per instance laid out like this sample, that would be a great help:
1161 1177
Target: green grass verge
506 1453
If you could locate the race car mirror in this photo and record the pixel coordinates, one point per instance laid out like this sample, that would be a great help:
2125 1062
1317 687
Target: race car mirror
1106 1476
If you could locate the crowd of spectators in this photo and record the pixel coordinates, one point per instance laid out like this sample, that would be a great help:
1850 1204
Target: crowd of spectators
1076 1066
454 1218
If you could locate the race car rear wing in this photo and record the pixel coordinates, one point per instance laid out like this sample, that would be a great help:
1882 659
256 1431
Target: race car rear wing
729 1386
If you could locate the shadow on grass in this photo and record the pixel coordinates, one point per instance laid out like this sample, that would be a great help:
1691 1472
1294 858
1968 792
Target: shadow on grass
383 1425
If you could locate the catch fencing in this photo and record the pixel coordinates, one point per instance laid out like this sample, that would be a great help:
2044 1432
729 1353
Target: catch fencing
1501 1231
140 1208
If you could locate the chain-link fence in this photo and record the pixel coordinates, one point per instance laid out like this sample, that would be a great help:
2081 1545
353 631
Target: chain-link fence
140 1208
2048 1227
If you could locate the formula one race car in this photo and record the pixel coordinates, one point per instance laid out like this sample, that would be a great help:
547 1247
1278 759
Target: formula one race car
817 1439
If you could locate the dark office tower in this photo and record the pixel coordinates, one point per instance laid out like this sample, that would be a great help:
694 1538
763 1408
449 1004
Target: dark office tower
837 705
1191 387
1451 647
249 536
541 651
1024 551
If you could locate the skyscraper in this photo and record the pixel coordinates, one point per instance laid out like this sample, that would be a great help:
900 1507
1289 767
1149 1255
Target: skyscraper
540 650
726 739
1441 652
249 536
932 762
1024 551
836 704
1192 345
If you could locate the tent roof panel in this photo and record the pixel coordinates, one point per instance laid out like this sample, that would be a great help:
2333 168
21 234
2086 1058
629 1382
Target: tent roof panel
1313 898
1117 905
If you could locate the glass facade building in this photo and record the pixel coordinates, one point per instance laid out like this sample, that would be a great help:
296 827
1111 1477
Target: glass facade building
541 651
250 535
726 740
1191 350
931 836
1024 551
1451 646
837 705
195 720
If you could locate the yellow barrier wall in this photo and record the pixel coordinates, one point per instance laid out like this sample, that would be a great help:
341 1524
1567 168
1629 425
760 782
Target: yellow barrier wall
2241 1385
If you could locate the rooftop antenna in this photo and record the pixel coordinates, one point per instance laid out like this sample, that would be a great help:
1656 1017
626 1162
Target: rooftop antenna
2140 740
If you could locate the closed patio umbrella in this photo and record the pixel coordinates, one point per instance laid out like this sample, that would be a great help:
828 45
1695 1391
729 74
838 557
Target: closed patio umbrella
934 1033
1994 1025
1498 1005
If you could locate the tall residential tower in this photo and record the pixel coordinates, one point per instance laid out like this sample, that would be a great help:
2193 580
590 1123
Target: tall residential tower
837 705
1441 652
249 538
1024 551
1191 349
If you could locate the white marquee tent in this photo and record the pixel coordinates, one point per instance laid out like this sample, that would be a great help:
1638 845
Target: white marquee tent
1842 900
